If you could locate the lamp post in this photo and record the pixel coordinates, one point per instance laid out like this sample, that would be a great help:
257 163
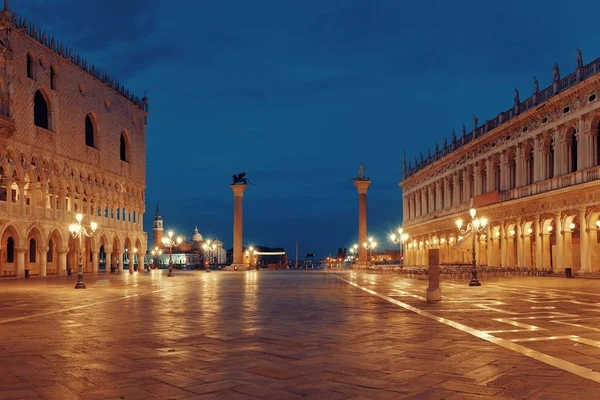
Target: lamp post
209 248
400 239
369 245
250 253
135 250
78 231
476 226
170 243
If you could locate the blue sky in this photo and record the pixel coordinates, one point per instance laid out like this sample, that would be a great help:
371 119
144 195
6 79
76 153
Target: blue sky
297 94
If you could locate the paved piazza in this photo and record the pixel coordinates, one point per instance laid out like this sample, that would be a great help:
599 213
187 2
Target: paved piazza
313 335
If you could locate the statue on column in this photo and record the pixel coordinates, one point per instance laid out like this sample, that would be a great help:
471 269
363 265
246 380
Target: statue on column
536 86
556 77
579 59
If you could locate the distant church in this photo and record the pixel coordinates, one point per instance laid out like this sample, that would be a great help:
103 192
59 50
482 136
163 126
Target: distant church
190 253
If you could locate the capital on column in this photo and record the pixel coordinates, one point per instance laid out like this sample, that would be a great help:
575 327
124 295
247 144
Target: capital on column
238 190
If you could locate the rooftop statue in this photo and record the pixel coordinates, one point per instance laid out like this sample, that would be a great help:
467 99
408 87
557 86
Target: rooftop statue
556 77
517 100
445 142
475 122
453 136
536 85
579 59
436 148
464 130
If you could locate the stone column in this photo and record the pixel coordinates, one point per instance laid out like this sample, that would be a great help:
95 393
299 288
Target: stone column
489 245
95 264
43 261
584 249
21 186
519 243
62 261
568 248
20 261
9 197
527 256
107 259
538 242
560 266
361 187
503 246
546 251
238 196
593 248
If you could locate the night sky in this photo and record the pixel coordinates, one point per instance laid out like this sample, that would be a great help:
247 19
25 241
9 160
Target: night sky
297 94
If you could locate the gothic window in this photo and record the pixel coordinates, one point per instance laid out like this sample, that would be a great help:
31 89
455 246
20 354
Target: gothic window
10 250
50 256
89 132
29 66
123 148
32 250
40 110
53 78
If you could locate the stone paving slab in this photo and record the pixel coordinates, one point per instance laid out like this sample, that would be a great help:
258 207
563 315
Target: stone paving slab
265 335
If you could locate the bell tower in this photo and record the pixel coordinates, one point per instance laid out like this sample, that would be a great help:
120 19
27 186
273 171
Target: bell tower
157 228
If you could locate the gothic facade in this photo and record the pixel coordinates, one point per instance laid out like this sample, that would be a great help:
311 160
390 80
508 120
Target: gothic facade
533 171
72 140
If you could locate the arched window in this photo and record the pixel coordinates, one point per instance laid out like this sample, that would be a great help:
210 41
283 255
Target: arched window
123 146
32 250
29 66
50 255
10 250
53 78
89 132
573 145
40 111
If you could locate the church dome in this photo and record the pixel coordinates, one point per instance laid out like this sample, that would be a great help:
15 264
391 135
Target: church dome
196 236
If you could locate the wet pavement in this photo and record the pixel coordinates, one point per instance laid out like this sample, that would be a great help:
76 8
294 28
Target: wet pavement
290 334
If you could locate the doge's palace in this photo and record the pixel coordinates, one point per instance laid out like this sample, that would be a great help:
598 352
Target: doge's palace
72 140
533 171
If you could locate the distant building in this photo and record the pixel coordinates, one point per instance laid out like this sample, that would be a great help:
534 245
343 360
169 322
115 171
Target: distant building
188 253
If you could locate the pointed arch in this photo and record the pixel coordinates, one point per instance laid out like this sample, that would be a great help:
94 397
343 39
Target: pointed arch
90 131
124 147
42 110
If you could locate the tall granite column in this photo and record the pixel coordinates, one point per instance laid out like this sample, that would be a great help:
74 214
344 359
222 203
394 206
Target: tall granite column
238 195
362 186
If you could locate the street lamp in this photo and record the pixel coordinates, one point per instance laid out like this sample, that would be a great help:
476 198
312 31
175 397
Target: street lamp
476 226
209 248
400 239
251 253
170 243
370 244
78 231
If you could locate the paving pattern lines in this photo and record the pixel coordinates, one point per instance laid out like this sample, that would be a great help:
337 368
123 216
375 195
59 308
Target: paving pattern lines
557 362
264 335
